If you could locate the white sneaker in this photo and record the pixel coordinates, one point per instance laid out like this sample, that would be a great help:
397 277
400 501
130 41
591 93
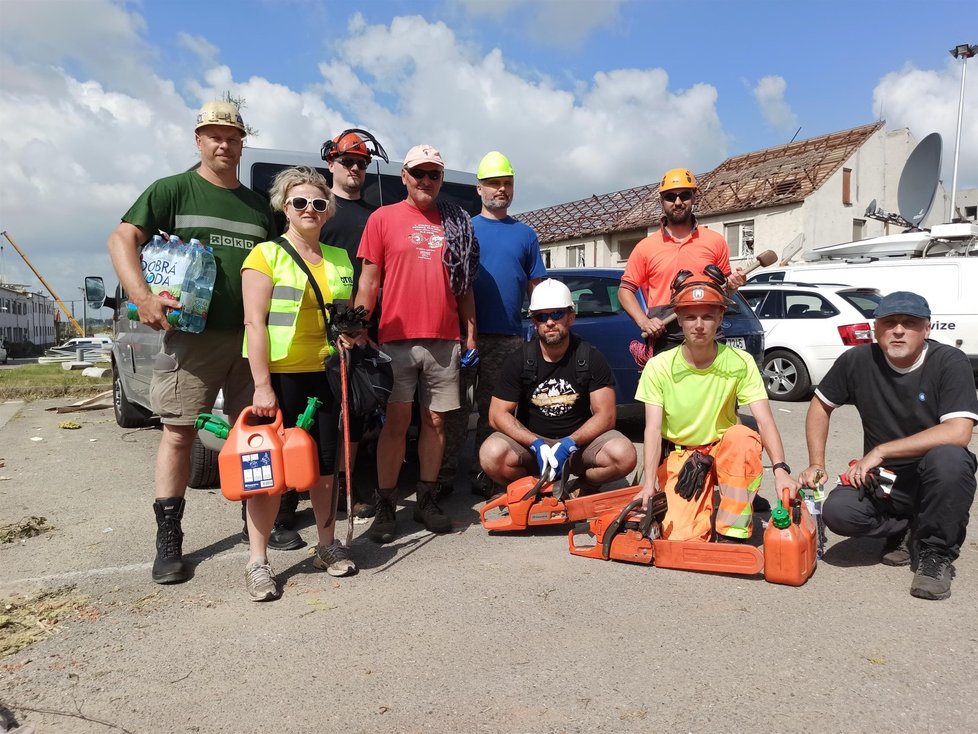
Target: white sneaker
260 580
334 559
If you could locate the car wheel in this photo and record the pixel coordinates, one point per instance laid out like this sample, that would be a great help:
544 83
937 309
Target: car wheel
127 415
203 466
785 376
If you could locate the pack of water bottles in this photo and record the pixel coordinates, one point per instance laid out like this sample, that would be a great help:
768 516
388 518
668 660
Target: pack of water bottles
184 272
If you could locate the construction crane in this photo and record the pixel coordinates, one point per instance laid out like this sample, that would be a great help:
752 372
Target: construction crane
40 277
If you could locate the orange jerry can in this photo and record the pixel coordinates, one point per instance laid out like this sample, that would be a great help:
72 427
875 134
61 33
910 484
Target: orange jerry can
301 458
789 544
252 461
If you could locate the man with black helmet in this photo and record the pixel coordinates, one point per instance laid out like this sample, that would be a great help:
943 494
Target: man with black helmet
691 396
679 244
211 205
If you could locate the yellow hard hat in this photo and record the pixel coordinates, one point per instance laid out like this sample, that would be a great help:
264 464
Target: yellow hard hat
493 165
677 178
219 112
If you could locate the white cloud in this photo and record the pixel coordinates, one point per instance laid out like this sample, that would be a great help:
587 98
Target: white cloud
926 101
79 142
769 93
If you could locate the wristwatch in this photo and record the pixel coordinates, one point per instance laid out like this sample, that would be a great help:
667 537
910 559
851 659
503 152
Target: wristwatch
782 465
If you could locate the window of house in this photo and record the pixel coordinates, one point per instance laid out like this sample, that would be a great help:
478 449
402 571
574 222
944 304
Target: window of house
847 186
971 212
575 256
625 248
858 229
545 254
740 238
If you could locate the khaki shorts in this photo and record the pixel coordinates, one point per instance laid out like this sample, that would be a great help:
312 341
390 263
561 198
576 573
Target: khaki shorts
580 460
431 364
190 370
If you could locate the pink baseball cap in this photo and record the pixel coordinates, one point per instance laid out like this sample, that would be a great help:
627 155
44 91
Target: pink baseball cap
423 154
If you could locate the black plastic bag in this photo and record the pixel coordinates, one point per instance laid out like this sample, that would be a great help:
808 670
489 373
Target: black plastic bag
370 379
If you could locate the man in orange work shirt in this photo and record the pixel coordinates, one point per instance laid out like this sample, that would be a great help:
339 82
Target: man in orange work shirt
679 244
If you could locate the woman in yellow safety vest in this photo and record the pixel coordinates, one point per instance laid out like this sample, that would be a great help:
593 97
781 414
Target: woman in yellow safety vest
286 345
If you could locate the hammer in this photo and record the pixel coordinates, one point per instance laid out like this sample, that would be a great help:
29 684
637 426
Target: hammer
765 259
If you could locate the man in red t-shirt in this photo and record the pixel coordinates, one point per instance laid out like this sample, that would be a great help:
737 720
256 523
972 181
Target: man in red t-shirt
402 250
679 244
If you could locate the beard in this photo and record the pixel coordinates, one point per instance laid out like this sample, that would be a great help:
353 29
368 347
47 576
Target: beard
684 217
495 205
557 338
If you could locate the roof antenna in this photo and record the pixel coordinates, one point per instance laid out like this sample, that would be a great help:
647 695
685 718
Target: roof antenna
795 135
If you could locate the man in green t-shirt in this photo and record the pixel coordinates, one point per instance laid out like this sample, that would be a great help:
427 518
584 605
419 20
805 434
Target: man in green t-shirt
691 396
211 205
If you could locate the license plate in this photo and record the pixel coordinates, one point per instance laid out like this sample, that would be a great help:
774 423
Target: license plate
736 341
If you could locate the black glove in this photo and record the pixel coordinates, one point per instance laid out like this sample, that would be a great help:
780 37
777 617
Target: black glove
345 320
692 477
872 487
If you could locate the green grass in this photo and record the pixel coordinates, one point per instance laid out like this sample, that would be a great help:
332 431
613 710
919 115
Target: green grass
39 381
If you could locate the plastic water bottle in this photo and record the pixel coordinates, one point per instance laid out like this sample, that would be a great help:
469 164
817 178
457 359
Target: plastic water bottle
162 268
813 501
198 288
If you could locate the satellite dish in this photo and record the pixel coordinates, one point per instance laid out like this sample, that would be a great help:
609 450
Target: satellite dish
918 182
871 209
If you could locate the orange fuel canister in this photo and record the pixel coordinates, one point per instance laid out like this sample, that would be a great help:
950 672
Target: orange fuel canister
789 544
299 450
252 461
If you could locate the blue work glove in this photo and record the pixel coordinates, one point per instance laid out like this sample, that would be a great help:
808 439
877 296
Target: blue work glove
470 358
561 452
539 449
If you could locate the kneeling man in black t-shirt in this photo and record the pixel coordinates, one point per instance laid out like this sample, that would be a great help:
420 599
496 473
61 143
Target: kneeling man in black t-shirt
554 404
916 400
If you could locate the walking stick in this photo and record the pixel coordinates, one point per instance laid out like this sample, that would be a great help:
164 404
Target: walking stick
345 408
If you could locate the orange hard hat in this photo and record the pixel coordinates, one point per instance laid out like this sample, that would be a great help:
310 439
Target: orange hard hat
677 178
347 143
697 292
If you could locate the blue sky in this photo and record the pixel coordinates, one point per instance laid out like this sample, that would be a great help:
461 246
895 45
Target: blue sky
97 97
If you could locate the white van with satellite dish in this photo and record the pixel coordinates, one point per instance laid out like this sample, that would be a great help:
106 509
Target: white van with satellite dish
940 264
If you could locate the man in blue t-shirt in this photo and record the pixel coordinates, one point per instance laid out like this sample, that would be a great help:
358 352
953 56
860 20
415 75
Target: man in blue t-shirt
916 400
510 266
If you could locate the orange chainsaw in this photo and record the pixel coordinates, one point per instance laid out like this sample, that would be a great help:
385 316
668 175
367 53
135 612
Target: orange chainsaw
633 535
529 502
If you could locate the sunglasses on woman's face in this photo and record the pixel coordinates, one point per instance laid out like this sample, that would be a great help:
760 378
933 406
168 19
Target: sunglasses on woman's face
418 174
299 203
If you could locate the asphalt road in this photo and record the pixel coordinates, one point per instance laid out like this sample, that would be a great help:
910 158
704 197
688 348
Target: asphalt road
459 633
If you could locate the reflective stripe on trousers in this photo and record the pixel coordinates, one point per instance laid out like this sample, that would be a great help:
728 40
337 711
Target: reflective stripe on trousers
737 477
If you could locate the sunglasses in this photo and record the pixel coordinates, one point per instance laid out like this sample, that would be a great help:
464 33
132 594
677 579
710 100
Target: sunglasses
418 174
299 203
546 316
353 163
671 196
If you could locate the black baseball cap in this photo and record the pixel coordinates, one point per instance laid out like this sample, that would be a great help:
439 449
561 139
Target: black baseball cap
902 302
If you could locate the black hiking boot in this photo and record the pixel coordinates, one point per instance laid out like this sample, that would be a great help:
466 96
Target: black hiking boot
169 568
384 526
896 550
933 577
426 510
283 535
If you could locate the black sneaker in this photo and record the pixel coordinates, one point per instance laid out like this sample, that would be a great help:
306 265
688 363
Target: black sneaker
896 550
484 487
384 526
428 513
933 577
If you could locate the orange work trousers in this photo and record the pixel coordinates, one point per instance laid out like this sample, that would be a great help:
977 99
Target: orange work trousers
736 473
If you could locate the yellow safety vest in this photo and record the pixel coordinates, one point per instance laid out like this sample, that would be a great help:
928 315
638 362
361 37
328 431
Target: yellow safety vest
289 284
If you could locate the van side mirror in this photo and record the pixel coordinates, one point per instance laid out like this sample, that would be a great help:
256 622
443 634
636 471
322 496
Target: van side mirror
94 291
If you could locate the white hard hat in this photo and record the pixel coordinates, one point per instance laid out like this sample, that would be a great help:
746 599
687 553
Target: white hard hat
551 294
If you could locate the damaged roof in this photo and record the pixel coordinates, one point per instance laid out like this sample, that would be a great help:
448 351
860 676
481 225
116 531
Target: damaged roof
786 174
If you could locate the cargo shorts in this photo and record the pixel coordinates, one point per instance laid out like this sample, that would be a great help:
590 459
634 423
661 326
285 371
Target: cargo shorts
432 365
191 369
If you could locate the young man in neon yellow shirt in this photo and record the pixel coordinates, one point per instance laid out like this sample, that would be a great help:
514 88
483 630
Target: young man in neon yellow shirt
691 396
